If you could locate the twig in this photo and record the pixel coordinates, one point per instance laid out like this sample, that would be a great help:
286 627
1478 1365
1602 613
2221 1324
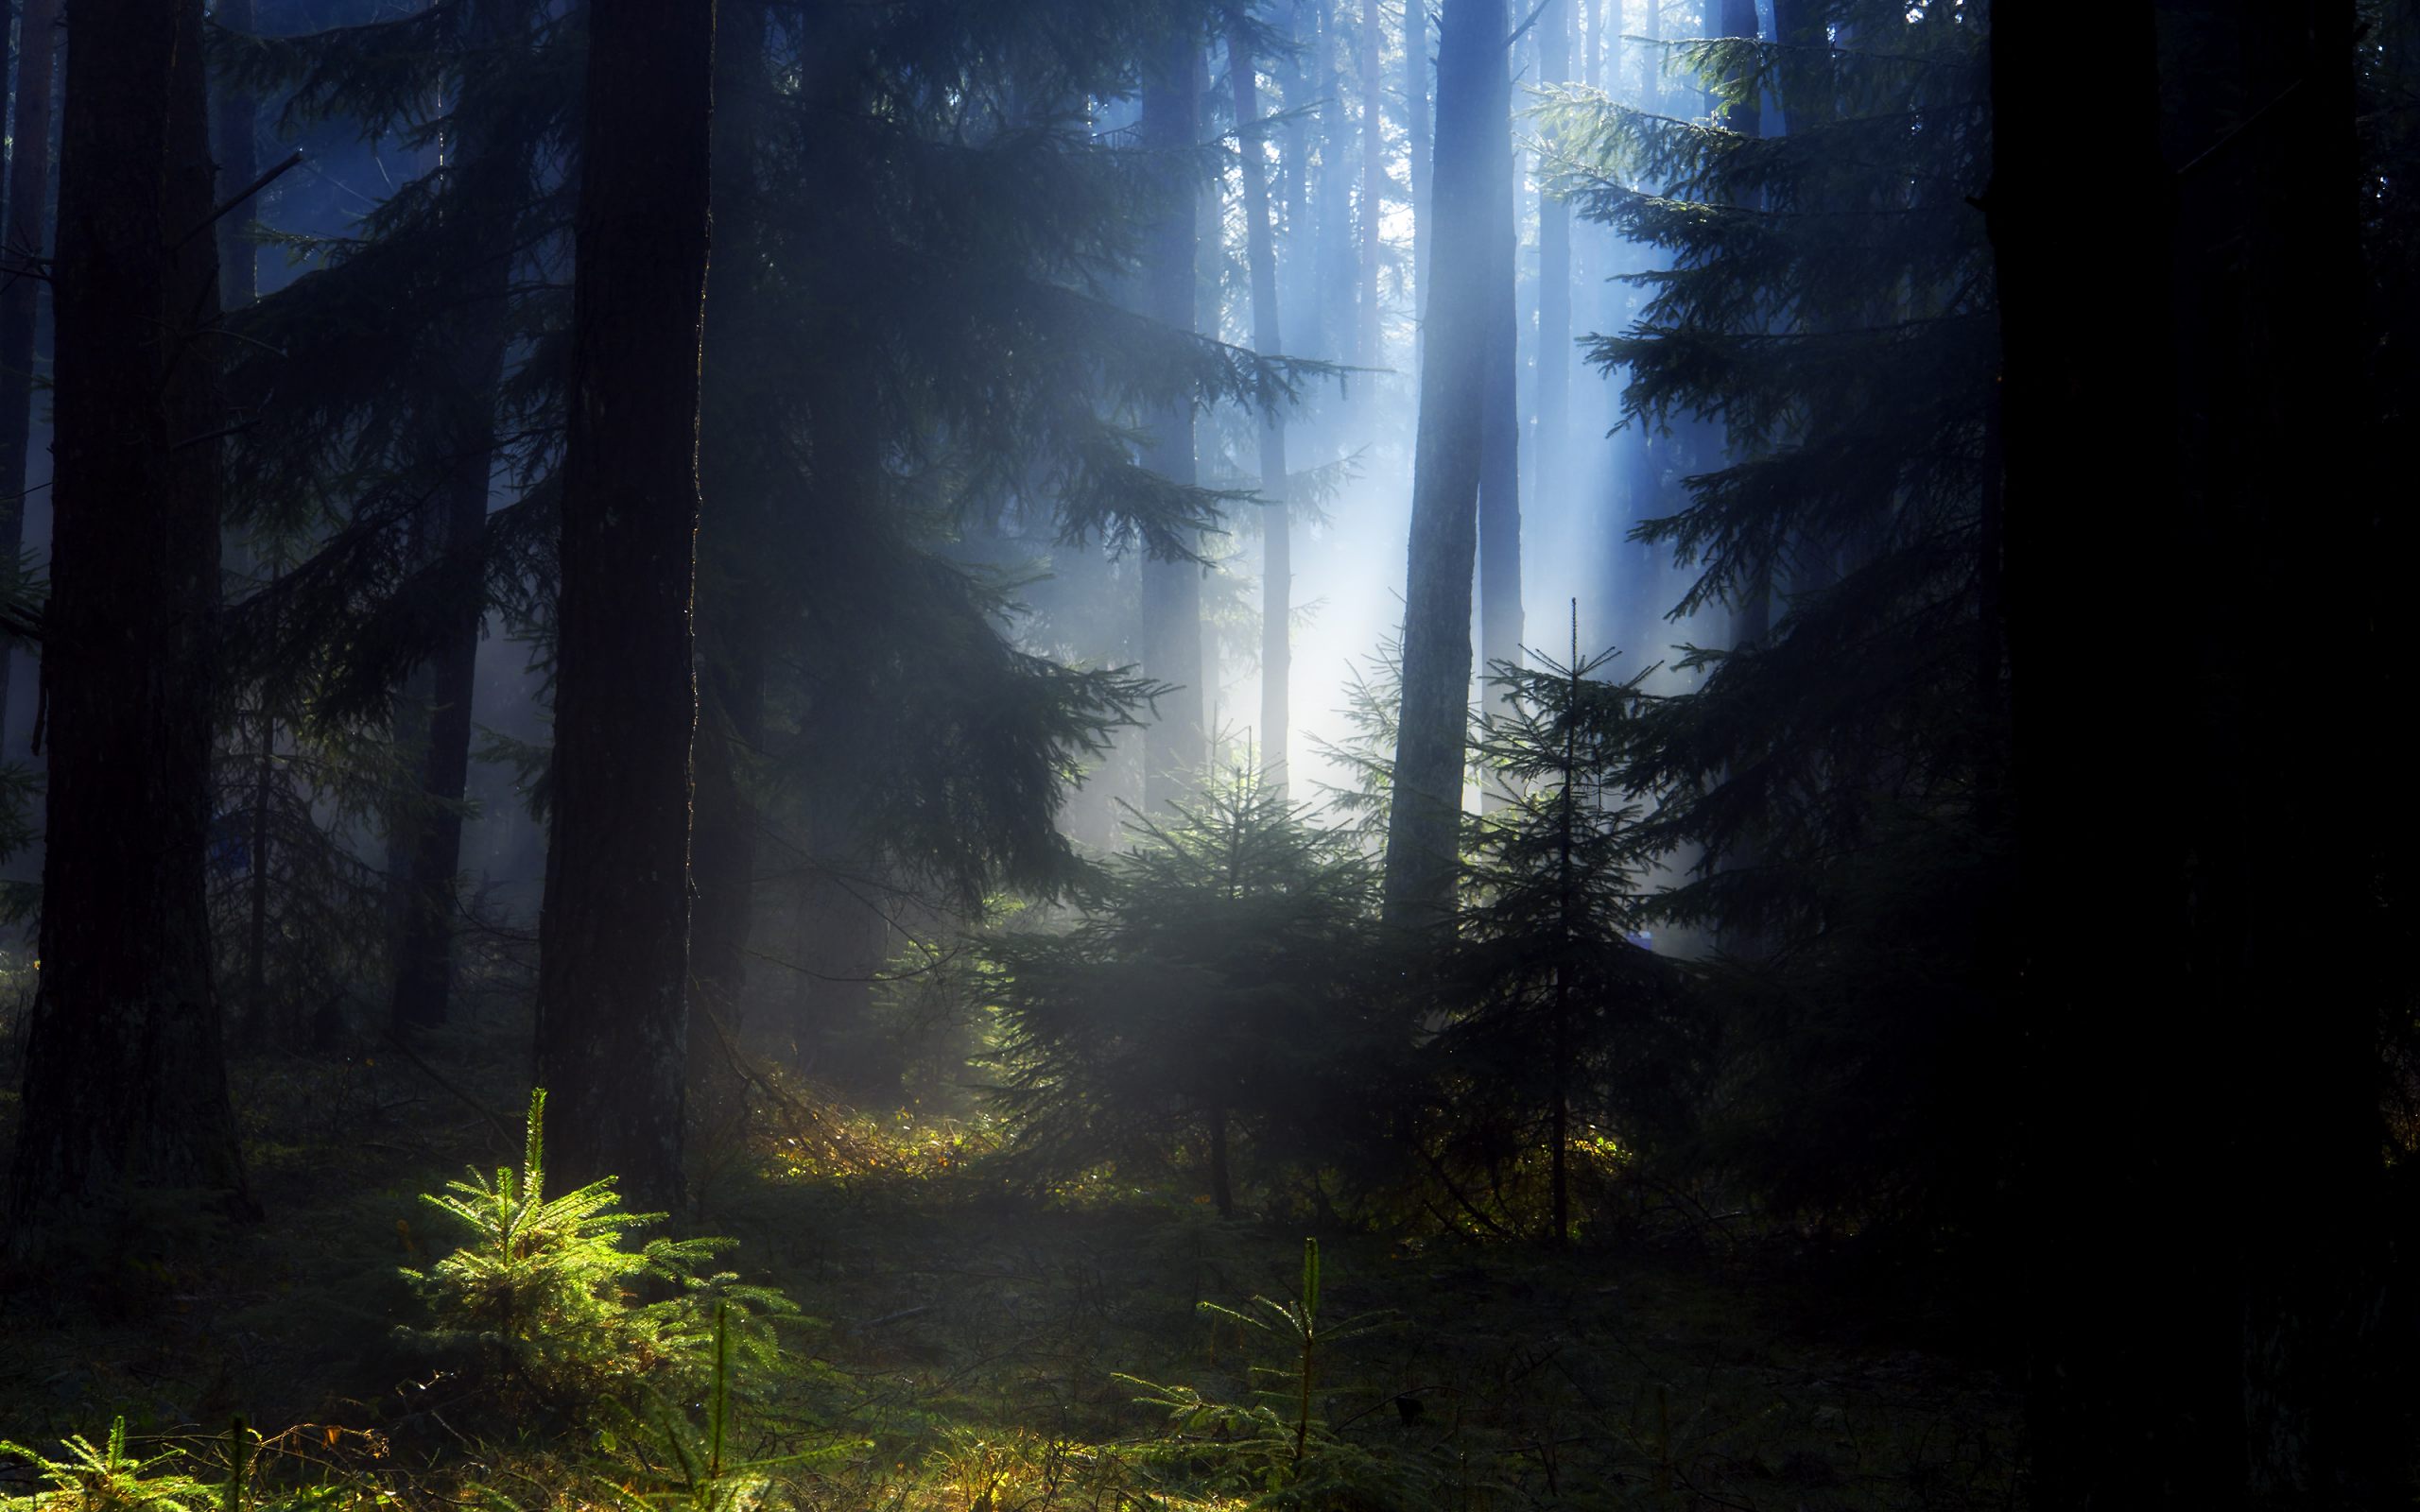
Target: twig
292 161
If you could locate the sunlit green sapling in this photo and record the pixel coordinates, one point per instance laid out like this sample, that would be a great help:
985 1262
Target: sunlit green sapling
545 1296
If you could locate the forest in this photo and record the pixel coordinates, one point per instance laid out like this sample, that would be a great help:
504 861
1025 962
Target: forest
1209 755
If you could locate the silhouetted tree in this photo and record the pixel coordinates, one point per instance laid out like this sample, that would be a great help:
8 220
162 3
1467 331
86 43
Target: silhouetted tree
614 938
1474 151
125 1080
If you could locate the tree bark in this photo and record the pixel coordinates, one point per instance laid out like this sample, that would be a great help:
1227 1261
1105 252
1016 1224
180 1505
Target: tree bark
1175 748
125 1078
488 181
1367 334
2133 1400
613 936
233 117
1554 280
28 205
1499 487
1415 119
735 546
1473 150
1277 573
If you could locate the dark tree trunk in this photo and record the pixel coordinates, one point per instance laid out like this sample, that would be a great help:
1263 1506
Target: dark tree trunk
1554 281
1332 301
614 938
28 205
1294 183
1751 615
2291 985
488 182
2133 1400
1415 127
1473 150
736 552
1277 570
233 115
1499 485
1176 748
125 1081
1368 333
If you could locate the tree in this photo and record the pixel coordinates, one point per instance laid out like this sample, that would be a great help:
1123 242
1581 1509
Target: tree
1474 151
1215 991
1368 332
614 938
485 184
1831 787
1560 1015
28 205
1176 745
1277 572
125 1078
1554 278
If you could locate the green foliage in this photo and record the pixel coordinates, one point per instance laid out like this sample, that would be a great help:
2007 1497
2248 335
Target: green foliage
1218 979
1824 296
108 1478
1274 1453
545 1302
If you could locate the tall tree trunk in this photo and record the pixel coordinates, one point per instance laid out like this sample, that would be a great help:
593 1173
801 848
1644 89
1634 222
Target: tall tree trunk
736 550
1277 570
2290 986
1554 281
1333 300
28 205
233 120
2133 1400
1367 334
125 1078
614 938
1752 616
1415 127
1175 748
486 182
1473 150
1294 185
1500 486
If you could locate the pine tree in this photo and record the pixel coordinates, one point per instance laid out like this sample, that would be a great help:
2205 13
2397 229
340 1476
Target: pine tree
1565 1018
125 1080
1215 994
27 237
1825 309
614 940
1277 573
1474 107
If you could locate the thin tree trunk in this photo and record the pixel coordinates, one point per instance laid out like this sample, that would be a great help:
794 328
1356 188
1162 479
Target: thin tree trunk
28 204
1175 748
1367 334
1260 252
1499 487
735 541
614 938
1473 150
1554 280
487 181
1222 1191
1415 117
125 1077
233 116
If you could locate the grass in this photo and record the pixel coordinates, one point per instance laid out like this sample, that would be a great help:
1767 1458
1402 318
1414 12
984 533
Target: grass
972 1349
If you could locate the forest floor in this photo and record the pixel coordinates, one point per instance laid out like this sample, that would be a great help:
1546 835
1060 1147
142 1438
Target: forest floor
967 1348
